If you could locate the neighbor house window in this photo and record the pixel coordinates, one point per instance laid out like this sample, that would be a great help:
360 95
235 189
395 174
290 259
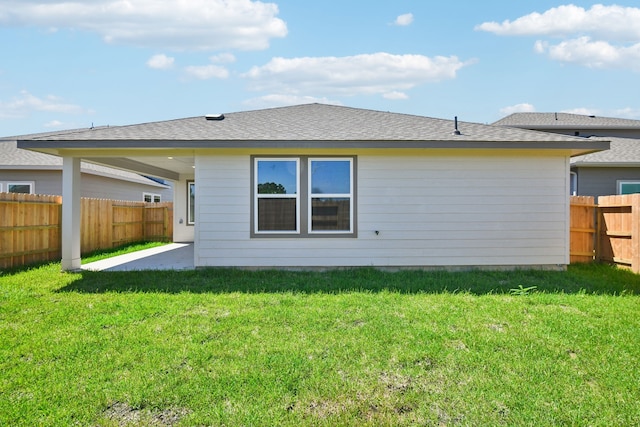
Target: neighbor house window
20 187
628 187
573 182
151 198
191 203
303 196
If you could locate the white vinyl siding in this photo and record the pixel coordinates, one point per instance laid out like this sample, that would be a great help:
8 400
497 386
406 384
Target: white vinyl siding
418 210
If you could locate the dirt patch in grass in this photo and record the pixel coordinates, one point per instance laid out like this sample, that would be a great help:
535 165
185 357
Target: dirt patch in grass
126 415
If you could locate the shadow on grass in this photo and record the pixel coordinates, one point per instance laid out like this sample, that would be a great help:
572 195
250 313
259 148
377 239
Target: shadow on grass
590 279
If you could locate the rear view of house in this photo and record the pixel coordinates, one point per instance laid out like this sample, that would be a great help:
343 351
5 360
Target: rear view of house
321 186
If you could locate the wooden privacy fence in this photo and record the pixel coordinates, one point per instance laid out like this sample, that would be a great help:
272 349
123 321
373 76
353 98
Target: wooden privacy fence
610 230
110 223
30 226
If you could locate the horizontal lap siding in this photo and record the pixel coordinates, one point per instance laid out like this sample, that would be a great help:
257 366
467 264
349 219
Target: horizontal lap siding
428 211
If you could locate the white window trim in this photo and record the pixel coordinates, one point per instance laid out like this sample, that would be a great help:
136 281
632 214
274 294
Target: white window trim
31 185
189 184
257 196
620 183
573 182
152 196
311 196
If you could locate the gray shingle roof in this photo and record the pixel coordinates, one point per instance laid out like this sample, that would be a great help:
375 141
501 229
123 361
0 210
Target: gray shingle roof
622 152
310 122
565 120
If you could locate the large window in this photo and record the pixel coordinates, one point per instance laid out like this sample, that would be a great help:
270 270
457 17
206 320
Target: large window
303 196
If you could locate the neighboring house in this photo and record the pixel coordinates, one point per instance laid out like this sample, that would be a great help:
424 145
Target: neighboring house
616 171
321 186
24 171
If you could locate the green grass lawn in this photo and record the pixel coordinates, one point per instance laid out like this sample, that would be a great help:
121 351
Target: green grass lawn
356 347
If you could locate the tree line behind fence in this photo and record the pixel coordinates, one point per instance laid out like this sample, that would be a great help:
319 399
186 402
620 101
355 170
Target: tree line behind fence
30 226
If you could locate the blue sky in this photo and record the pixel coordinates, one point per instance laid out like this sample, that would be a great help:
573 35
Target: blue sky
116 62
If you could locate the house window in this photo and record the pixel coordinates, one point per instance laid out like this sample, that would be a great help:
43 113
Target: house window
330 195
277 200
191 203
628 187
20 187
573 182
151 198
303 196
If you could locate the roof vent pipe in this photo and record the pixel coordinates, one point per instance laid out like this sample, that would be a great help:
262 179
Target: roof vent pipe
455 126
214 117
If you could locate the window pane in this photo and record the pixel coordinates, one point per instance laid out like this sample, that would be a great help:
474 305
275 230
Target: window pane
147 198
277 177
20 188
156 198
192 203
276 214
330 177
331 214
629 187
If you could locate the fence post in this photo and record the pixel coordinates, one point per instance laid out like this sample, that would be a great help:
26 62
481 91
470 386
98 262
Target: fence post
582 229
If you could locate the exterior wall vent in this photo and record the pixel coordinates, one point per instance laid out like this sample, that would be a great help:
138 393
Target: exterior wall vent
214 117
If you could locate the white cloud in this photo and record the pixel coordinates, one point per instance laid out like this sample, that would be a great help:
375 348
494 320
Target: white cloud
25 104
54 124
593 54
600 37
206 72
183 25
378 73
394 95
610 22
518 108
160 62
223 58
211 71
404 20
278 100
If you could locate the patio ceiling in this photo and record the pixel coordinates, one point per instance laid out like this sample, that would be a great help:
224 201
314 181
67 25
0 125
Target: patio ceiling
166 167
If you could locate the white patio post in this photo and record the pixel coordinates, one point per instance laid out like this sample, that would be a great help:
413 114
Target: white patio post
70 213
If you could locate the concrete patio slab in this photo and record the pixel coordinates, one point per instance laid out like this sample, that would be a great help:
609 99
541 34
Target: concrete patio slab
174 256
